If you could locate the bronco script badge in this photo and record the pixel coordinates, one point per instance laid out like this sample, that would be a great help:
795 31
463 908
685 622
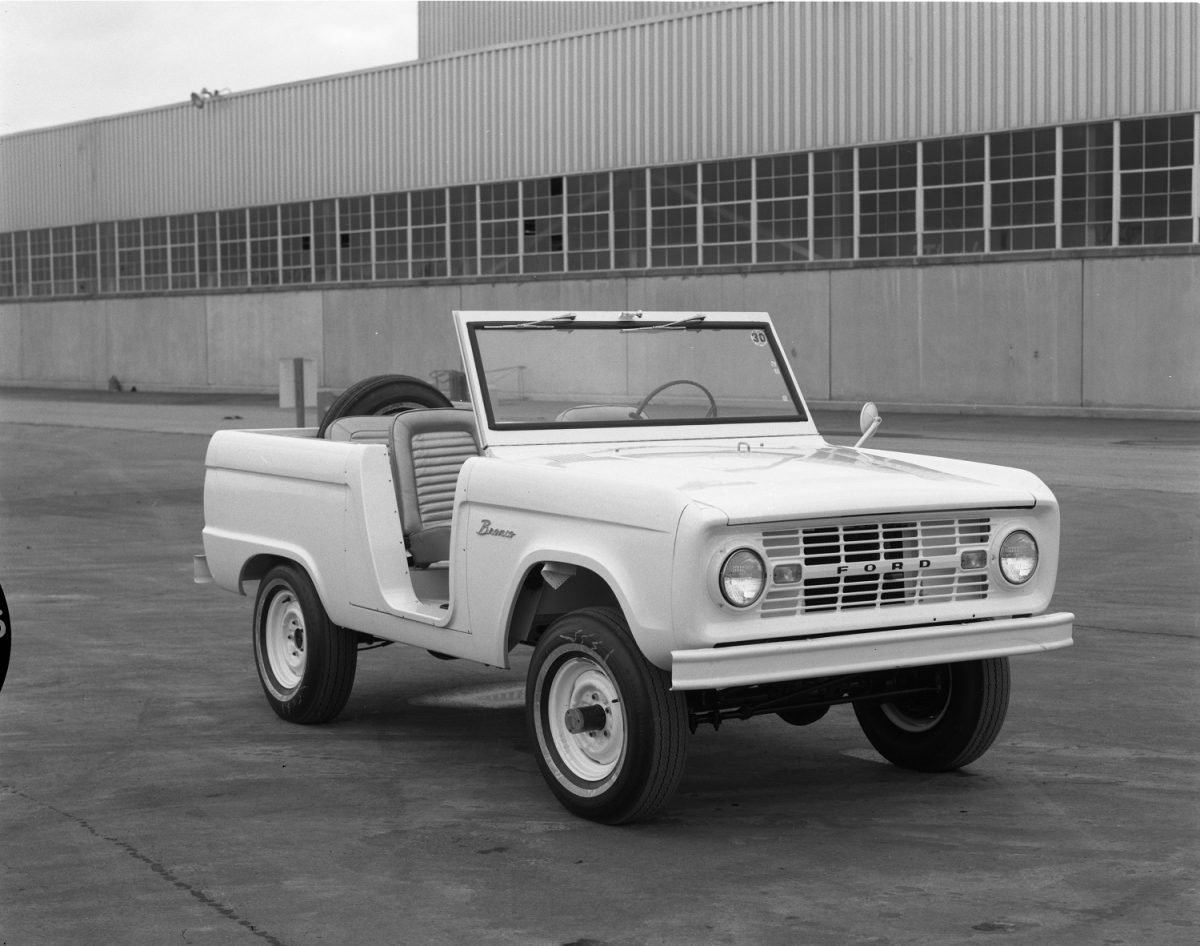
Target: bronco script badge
485 528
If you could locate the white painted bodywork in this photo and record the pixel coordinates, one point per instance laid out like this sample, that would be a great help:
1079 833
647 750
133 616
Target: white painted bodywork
652 510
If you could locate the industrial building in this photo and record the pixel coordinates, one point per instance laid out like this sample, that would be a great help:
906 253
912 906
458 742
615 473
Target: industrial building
979 206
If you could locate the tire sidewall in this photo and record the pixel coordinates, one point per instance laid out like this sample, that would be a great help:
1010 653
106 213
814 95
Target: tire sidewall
584 636
975 709
278 581
578 644
377 394
330 652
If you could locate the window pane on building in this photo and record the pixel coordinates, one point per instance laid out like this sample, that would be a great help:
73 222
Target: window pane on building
542 225
295 243
833 204
235 269
629 219
207 257
21 262
588 203
428 210
108 257
1157 155
887 183
782 196
62 245
391 236
464 231
325 247
41 282
355 239
182 233
726 193
8 276
86 272
499 228
264 246
1087 185
1023 190
155 255
953 174
41 279
674 198
129 255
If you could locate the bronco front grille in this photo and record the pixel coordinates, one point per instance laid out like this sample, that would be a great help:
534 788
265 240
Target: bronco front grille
877 564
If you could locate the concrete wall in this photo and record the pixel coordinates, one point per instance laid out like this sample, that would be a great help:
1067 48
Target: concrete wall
1141 333
1058 334
950 334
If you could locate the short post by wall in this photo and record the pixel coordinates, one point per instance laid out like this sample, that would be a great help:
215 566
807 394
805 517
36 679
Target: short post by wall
298 386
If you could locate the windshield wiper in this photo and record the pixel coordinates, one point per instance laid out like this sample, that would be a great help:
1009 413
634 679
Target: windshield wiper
679 323
554 321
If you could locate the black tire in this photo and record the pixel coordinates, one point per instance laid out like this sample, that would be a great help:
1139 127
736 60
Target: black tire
803 715
5 638
382 394
305 662
941 731
629 769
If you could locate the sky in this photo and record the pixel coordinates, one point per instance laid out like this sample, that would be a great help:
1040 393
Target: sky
71 60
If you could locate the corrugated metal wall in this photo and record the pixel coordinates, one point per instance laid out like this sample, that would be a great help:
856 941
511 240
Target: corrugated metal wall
449 26
742 80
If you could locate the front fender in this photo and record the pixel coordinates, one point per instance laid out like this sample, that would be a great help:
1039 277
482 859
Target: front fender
517 519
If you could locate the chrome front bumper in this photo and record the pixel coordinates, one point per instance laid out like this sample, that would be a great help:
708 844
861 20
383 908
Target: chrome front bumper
744 664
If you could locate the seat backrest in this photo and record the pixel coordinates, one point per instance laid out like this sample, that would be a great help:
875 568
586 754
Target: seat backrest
428 449
361 428
587 413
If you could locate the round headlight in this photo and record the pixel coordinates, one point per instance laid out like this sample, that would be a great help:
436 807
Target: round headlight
743 577
1018 557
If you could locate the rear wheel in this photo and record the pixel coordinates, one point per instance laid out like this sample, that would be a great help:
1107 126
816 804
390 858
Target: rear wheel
5 638
381 395
306 663
950 726
611 737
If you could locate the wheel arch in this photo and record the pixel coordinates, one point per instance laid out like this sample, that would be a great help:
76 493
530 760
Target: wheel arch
256 567
538 602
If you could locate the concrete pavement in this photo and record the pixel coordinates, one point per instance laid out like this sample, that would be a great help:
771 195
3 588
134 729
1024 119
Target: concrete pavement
161 413
149 796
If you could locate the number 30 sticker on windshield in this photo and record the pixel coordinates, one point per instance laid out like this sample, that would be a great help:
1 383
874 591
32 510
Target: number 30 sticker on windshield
759 337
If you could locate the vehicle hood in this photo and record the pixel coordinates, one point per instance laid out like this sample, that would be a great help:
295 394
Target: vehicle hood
820 481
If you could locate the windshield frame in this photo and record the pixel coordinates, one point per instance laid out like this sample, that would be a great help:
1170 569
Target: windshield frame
470 324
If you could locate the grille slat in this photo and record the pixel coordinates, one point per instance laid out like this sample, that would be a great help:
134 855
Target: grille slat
888 563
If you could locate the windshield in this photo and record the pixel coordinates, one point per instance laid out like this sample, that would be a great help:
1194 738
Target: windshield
543 375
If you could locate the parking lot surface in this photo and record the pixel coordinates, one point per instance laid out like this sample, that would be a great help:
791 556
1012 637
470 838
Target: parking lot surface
148 795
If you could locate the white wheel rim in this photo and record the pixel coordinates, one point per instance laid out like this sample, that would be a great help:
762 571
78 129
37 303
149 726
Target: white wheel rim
590 756
284 640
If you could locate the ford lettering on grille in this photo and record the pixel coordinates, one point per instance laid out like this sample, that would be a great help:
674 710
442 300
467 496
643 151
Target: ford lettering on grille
877 564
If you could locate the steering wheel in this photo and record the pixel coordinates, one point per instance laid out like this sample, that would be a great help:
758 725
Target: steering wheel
712 401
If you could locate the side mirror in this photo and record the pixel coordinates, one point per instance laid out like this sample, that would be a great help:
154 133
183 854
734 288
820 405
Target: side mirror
868 422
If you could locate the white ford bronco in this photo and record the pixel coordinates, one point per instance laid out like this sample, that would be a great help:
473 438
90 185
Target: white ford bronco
644 499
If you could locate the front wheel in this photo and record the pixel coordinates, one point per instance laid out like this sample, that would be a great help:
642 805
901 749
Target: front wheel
946 727
306 663
611 737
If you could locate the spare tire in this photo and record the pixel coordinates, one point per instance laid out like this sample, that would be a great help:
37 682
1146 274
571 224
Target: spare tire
382 394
